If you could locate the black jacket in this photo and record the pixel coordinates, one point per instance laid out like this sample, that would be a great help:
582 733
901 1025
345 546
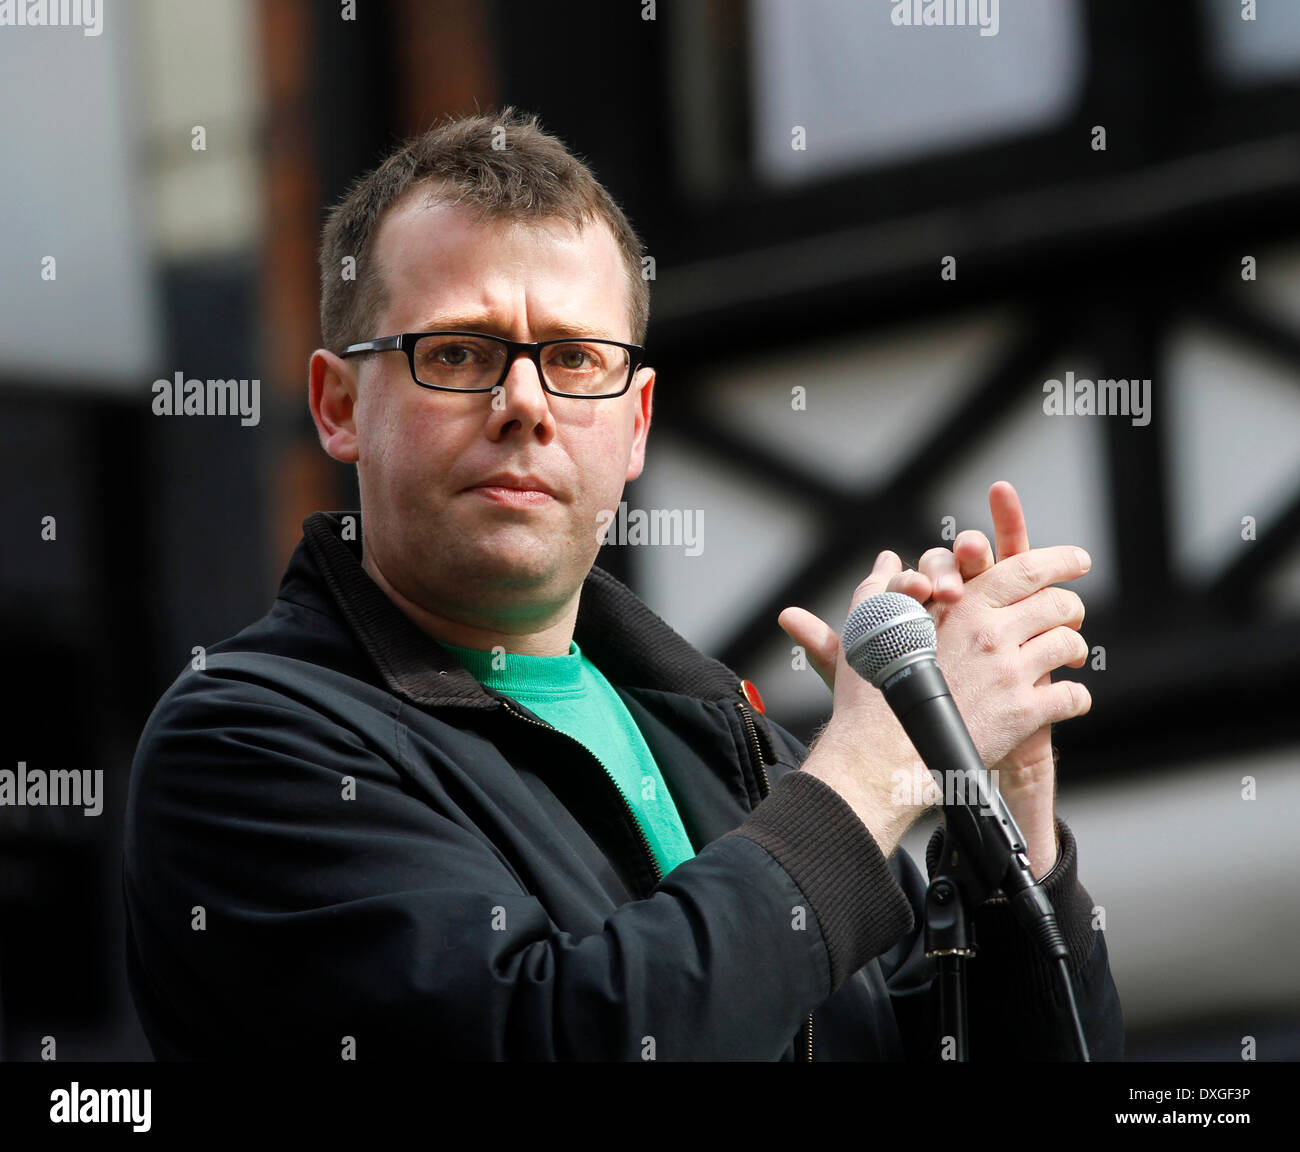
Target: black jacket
333 831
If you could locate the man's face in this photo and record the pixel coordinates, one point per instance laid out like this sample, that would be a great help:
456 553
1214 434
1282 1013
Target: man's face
478 554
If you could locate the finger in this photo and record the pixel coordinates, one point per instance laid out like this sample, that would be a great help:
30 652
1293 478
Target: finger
1058 648
973 552
887 566
820 642
1009 531
1062 700
1044 610
940 567
1016 577
911 583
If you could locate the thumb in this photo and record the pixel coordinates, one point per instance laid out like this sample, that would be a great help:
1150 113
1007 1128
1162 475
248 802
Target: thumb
818 639
886 567
820 642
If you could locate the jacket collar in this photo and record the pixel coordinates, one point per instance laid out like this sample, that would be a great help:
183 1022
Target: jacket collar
629 644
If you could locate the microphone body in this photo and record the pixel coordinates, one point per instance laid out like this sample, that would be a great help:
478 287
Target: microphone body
890 640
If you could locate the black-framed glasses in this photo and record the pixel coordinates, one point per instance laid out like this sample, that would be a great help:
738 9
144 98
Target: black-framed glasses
584 367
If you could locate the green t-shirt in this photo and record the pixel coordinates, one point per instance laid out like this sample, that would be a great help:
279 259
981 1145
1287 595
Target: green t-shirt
569 693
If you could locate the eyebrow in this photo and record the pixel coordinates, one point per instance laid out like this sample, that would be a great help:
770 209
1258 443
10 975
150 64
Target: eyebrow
478 322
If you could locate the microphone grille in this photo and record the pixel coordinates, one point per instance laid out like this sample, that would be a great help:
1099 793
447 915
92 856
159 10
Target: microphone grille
883 629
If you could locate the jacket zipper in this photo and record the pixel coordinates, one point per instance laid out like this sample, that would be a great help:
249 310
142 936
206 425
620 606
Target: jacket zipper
751 732
805 1038
645 843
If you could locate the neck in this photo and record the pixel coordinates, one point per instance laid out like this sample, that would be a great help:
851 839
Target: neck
550 635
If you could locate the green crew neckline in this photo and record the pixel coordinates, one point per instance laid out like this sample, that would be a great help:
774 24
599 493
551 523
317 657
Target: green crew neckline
519 675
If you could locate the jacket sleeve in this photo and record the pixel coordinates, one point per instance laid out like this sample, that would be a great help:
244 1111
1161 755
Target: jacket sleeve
1015 1010
288 893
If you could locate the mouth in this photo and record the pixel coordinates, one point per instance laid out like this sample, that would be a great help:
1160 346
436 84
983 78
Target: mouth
514 491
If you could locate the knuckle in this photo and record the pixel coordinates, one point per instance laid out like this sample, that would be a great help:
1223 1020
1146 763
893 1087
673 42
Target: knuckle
1056 646
1073 698
933 556
985 639
901 579
1076 697
1030 569
1058 603
1074 606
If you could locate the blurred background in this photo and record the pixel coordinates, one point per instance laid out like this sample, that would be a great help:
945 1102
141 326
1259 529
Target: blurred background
873 244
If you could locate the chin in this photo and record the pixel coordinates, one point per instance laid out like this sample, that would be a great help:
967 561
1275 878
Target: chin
498 563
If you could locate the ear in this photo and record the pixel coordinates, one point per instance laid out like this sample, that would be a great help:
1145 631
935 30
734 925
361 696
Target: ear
332 394
643 385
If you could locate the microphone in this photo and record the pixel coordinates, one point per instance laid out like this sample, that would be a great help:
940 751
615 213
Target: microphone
890 640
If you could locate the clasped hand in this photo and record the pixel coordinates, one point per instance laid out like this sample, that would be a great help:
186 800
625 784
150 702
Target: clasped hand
1003 628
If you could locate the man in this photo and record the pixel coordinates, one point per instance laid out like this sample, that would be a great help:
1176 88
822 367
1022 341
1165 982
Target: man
461 794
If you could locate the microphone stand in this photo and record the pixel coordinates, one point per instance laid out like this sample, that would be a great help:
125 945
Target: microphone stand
960 882
950 940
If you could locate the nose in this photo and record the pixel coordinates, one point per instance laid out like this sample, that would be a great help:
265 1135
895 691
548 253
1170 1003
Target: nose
520 402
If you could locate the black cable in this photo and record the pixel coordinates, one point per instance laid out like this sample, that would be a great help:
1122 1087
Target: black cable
1036 913
1067 990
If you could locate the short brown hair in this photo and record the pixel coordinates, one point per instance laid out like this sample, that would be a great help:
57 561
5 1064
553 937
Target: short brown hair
533 177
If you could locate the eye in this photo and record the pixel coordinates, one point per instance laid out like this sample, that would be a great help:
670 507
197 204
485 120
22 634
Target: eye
575 358
441 353
454 355
571 357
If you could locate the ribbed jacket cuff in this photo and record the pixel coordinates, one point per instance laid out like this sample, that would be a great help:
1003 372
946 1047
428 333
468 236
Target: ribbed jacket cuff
996 926
808 828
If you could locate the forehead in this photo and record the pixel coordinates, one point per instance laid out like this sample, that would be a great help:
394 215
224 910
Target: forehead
439 259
